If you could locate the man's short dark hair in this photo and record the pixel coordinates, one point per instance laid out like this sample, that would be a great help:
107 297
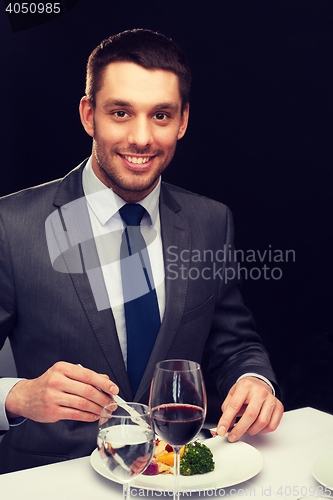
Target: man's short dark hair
144 47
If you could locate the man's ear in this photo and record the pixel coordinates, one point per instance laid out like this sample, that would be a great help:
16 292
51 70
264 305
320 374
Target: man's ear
87 115
183 122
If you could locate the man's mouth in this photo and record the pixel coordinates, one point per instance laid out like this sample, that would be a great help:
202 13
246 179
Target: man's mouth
137 160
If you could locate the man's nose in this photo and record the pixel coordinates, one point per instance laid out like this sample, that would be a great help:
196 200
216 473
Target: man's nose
140 132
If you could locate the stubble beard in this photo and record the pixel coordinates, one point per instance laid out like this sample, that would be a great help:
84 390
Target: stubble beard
136 181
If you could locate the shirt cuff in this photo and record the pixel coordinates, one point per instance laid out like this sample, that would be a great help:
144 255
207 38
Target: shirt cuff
6 385
261 378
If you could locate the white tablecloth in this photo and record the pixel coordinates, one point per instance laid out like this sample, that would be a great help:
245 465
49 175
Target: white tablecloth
288 453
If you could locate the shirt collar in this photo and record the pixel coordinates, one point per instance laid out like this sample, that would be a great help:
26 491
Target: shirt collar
105 203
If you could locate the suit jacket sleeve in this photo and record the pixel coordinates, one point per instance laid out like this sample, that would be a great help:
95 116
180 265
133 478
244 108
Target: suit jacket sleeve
7 289
233 344
7 318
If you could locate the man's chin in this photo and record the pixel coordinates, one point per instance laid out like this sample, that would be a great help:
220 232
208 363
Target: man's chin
139 187
134 189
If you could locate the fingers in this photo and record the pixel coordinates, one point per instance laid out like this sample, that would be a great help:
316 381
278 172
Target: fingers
65 391
256 417
275 420
89 377
84 392
252 399
82 399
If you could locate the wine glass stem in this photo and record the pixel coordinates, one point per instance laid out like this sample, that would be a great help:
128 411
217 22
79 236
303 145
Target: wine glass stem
126 491
176 472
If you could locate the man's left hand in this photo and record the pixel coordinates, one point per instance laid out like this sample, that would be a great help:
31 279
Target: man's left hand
252 400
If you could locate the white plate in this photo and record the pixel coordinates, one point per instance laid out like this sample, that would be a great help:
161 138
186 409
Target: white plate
322 469
234 463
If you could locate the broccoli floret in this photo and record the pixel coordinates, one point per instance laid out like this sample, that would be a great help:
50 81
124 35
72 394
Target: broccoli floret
197 459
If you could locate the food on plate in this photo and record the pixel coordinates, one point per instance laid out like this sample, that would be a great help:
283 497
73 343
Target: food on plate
162 462
167 455
152 469
196 458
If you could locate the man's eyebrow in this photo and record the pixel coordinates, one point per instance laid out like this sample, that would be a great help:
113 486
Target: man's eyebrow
173 106
109 103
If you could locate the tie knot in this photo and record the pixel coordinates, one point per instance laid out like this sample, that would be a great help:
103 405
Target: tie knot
132 214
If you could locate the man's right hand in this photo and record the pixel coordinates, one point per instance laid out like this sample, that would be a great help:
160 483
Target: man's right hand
64 392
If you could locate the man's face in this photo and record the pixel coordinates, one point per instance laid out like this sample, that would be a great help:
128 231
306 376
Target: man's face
135 126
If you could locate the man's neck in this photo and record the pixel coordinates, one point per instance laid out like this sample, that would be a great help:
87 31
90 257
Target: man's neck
125 194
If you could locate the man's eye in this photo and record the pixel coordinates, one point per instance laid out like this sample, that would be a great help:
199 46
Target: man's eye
120 114
161 116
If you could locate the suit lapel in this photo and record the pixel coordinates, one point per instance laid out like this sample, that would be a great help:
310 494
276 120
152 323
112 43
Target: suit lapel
175 238
101 321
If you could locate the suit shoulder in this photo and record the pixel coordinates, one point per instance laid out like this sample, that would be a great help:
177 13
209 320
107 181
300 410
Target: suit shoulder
188 200
28 209
44 193
35 193
39 199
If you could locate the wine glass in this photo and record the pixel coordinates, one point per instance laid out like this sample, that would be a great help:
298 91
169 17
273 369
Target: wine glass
126 441
178 403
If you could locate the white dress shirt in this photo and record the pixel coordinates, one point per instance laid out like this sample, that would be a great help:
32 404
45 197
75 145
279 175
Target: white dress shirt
103 207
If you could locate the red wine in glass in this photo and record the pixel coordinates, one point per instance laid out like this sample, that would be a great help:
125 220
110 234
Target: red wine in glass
178 423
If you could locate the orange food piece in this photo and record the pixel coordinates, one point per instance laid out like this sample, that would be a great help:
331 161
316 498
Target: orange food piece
168 458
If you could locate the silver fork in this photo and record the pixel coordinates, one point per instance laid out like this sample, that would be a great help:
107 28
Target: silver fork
135 416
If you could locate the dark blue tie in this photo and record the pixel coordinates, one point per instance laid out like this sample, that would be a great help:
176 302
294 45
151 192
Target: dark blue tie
140 301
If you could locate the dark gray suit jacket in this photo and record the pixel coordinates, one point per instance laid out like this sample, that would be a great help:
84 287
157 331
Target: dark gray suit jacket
51 316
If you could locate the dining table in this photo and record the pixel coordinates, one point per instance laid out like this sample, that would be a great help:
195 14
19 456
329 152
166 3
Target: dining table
285 457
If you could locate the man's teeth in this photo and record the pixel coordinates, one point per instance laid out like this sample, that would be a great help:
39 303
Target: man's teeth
138 160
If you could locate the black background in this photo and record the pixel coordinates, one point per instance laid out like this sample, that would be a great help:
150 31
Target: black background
259 140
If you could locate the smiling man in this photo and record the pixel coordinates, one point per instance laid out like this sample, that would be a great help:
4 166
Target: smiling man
123 296
135 120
